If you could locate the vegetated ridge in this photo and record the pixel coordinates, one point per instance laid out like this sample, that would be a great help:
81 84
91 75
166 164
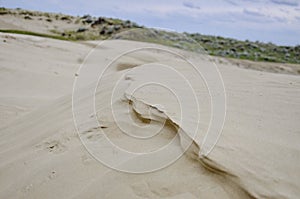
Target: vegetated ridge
78 28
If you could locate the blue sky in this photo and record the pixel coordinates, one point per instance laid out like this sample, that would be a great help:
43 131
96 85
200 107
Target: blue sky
276 21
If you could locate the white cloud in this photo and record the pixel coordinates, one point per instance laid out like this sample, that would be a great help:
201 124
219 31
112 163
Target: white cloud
253 13
191 5
286 2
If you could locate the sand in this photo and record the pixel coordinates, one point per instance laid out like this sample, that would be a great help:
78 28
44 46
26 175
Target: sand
43 155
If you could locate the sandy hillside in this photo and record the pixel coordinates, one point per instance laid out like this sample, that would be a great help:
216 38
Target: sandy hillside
42 150
35 71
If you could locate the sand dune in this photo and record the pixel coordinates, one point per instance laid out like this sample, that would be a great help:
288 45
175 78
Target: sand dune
35 71
43 156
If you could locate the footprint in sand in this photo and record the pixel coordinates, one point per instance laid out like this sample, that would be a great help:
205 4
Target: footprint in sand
55 146
94 133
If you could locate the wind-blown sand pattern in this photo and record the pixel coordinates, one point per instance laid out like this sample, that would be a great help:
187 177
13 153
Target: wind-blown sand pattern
42 156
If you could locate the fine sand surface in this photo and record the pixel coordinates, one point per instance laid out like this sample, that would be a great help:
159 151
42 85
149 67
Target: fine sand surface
42 156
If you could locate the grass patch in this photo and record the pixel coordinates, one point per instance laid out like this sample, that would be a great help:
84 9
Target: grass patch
25 32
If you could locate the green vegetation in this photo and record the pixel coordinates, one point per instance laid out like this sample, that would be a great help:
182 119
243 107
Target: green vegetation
256 51
4 11
24 32
216 46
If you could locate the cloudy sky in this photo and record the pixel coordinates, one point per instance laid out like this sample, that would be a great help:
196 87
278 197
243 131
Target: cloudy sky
276 21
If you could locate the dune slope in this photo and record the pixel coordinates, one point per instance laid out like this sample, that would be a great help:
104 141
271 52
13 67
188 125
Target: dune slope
42 155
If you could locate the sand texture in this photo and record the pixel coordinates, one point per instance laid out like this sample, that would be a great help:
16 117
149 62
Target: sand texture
42 154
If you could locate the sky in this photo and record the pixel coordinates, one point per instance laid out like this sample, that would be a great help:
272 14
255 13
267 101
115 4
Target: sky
276 21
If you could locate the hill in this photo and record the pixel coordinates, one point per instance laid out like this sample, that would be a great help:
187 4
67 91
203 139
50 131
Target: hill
79 28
